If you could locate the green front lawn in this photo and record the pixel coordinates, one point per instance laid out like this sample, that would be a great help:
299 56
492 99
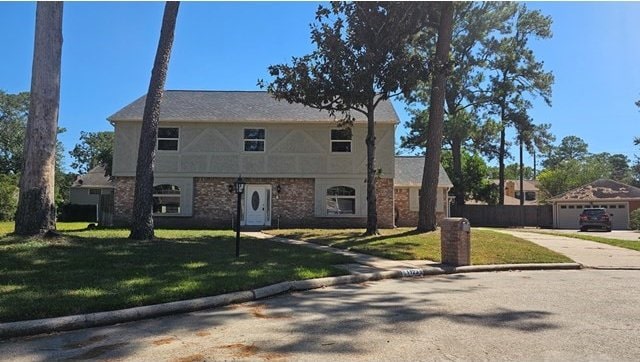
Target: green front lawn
96 270
487 247
629 244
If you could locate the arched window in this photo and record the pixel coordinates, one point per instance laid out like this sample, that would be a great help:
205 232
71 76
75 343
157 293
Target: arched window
341 200
166 199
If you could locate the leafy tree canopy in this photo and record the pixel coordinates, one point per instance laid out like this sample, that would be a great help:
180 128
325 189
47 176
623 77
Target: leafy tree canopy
512 172
8 196
14 110
475 173
361 58
570 148
95 149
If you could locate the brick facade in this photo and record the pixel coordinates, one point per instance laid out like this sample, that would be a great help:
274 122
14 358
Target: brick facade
123 200
403 215
215 207
385 203
634 205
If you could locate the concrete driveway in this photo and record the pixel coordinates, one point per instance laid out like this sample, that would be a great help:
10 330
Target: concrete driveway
586 315
613 234
588 253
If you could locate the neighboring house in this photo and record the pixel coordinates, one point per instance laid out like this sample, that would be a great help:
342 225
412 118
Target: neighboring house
301 169
407 184
87 188
512 191
619 199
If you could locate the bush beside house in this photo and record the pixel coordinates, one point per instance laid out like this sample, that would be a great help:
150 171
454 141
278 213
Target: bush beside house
634 219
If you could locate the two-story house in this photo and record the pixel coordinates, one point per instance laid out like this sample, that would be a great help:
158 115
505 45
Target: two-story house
301 169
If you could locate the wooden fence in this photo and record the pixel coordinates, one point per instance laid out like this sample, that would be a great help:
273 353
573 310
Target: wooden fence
505 215
105 210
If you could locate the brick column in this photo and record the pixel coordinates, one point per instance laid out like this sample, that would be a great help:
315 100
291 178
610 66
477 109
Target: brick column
455 241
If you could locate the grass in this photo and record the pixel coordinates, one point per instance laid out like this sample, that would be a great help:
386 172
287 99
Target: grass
629 244
97 270
487 247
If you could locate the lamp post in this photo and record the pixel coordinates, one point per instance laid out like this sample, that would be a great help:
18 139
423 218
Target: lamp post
238 186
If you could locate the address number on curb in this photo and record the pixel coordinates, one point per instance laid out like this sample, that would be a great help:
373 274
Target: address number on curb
412 273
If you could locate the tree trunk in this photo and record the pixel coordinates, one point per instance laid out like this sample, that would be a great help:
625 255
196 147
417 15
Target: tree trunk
534 166
458 183
501 153
142 224
427 210
372 211
521 173
36 205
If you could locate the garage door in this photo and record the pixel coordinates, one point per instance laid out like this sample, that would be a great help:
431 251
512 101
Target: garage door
567 214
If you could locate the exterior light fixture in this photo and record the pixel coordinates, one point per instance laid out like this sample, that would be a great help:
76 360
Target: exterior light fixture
238 186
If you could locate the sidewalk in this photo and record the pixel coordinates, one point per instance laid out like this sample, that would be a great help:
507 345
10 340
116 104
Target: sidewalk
588 253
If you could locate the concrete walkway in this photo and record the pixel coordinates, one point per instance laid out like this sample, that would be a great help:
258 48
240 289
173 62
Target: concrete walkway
364 263
588 253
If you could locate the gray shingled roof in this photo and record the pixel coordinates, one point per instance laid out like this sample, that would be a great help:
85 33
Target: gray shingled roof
601 189
95 178
224 106
409 172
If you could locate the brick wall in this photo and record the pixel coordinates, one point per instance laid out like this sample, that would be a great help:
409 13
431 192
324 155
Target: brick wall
123 200
634 205
215 207
385 202
404 217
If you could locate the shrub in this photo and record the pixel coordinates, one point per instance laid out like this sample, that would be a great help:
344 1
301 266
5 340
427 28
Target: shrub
634 219
72 212
8 197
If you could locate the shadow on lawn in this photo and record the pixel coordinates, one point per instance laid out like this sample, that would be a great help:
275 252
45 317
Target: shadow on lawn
326 321
401 249
76 274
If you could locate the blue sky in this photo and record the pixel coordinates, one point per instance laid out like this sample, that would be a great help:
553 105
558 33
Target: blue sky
109 48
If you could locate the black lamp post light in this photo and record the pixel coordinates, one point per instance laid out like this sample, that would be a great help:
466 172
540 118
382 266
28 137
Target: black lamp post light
238 187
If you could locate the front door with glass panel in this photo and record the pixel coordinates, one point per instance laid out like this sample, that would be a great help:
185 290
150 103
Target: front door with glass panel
257 205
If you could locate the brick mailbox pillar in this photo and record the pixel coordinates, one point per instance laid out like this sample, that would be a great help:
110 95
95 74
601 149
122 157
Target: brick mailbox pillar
455 241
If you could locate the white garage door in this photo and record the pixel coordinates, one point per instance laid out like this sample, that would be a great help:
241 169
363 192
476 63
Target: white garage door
567 214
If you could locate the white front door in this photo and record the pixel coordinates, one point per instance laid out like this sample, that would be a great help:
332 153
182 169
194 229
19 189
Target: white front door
258 205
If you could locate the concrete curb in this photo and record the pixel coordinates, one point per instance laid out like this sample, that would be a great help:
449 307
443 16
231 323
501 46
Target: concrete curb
49 325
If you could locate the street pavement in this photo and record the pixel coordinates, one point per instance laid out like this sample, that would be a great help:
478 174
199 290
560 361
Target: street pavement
588 253
577 315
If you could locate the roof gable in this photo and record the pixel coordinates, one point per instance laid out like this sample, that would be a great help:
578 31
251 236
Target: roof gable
230 106
95 178
602 189
408 172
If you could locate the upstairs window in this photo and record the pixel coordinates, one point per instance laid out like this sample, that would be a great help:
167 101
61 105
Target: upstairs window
254 139
341 140
341 200
166 199
168 138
